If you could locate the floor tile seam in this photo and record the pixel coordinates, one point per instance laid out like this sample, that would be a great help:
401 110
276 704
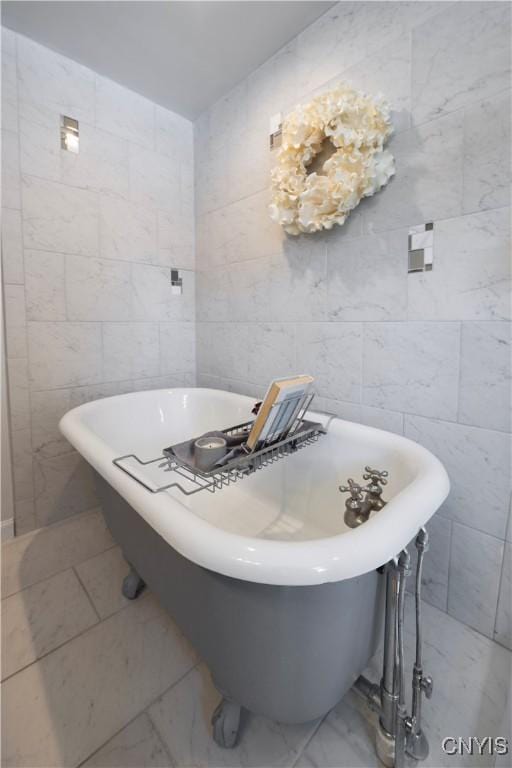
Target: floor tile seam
88 596
61 570
195 666
69 640
308 741
120 730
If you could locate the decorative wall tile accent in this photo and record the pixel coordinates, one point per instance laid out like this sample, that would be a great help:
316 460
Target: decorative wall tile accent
153 298
471 276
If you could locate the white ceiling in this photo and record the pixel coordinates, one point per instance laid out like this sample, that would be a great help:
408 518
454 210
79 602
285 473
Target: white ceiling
182 55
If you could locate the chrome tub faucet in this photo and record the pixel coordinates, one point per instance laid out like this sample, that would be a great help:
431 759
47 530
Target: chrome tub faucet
364 500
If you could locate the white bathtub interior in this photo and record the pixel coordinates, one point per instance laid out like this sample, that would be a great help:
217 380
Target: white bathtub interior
297 499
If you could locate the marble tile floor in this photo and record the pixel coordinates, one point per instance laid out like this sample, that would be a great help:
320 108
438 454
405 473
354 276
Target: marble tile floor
93 680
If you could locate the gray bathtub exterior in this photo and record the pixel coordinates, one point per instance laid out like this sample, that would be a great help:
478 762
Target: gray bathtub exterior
289 653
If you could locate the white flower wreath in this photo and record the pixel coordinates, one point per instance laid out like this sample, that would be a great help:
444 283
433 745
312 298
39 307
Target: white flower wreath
357 126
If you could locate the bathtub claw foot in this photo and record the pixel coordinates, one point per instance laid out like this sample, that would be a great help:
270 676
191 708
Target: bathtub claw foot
226 724
132 585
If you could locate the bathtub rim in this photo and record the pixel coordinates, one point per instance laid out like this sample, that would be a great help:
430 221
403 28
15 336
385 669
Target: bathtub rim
267 561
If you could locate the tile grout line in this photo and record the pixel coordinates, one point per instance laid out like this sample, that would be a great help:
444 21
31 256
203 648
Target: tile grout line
436 419
448 577
164 693
48 653
89 598
145 711
498 593
61 570
66 642
459 372
27 346
308 741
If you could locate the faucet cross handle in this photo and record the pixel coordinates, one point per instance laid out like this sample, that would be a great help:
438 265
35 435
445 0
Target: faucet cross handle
376 476
353 488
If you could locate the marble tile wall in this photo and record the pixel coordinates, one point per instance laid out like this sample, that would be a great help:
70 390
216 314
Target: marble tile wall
87 245
426 355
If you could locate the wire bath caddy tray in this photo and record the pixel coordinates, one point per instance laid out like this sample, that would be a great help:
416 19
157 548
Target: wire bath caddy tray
191 480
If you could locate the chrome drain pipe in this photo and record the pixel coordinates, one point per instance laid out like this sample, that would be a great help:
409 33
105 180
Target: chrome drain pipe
398 733
417 744
386 729
391 687
403 720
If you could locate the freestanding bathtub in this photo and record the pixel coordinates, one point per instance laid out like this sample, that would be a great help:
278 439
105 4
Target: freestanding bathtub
279 597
